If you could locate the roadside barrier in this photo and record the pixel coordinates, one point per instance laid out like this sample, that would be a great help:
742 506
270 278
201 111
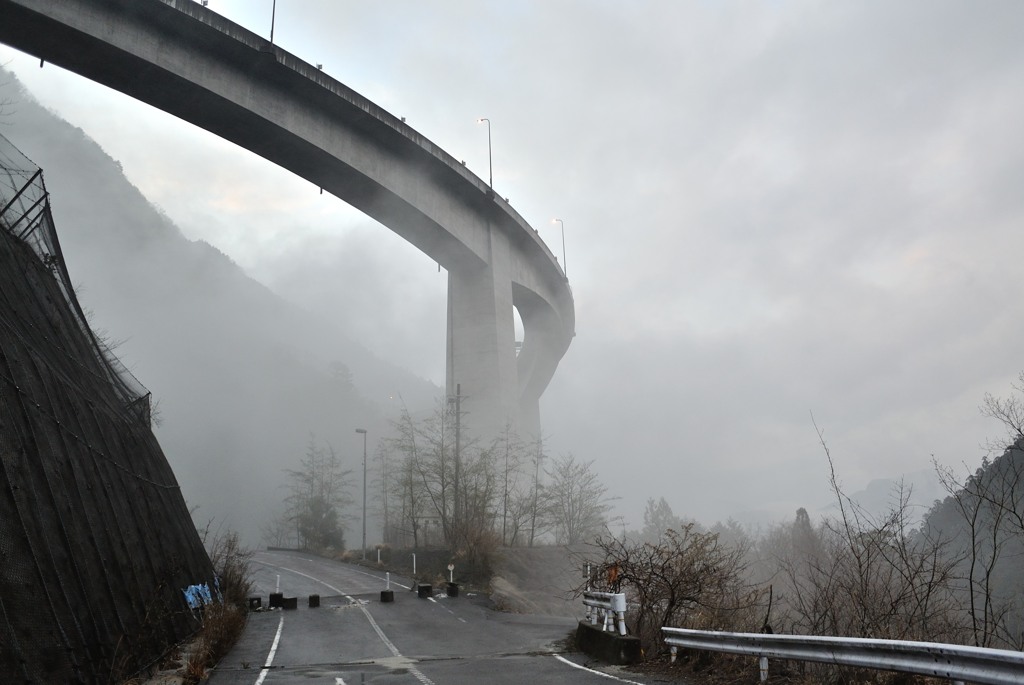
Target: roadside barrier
956 663
605 605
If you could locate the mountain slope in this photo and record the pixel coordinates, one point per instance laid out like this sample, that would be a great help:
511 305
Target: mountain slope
241 378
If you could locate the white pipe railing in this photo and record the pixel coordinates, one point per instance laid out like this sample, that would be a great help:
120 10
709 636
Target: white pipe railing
953 662
606 604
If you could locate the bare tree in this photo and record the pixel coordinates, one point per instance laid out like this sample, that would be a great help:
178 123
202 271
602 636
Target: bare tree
408 486
893 582
575 501
985 510
986 541
279 531
511 451
446 478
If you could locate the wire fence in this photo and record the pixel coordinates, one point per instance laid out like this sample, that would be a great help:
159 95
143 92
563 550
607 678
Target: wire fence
96 541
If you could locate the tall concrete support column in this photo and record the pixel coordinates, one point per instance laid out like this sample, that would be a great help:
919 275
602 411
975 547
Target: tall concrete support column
481 357
537 360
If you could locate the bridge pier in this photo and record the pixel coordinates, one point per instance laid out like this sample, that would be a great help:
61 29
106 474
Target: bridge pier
481 357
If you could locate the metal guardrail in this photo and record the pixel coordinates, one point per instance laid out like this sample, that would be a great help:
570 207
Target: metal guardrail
607 604
953 662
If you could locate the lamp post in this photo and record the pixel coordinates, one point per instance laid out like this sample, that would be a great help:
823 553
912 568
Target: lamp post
273 14
565 268
490 166
363 432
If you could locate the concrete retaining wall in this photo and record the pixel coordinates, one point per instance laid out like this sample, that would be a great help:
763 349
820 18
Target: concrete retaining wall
610 648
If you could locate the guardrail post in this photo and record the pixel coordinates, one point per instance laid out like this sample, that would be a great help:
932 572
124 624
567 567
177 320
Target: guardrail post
619 607
673 650
762 663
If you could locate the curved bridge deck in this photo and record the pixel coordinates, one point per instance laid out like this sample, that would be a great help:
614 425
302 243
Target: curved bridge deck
187 60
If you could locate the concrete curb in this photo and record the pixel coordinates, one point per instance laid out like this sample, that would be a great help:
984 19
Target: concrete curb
611 648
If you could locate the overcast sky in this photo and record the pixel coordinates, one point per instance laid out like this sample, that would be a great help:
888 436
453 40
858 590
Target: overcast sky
770 209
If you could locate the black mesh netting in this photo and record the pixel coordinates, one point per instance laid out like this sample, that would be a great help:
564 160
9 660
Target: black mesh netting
96 542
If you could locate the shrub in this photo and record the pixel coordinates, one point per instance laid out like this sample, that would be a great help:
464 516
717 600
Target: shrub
685 579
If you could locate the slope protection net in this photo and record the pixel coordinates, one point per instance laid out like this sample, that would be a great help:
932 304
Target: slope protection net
96 541
25 214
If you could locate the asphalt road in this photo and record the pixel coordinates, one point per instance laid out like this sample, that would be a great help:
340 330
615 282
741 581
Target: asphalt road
355 638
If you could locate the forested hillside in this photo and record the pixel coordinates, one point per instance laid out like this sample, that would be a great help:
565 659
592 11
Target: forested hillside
240 378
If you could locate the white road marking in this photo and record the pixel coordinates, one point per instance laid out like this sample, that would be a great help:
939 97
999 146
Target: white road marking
417 673
393 581
362 573
590 670
339 681
317 580
394 650
445 608
273 651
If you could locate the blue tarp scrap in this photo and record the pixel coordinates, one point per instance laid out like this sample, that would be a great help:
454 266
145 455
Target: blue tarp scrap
199 595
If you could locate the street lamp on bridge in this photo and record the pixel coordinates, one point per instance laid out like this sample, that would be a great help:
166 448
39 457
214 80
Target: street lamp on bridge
490 166
565 268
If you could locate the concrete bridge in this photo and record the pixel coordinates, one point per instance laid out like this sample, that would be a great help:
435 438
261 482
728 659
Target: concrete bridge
189 61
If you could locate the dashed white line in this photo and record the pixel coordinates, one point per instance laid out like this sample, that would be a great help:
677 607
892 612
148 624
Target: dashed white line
273 651
590 670
317 580
371 575
380 633
417 673
362 573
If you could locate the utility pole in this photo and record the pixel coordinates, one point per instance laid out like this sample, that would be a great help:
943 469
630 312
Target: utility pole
458 523
363 432
536 488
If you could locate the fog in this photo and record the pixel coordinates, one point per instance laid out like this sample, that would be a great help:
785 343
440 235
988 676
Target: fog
770 209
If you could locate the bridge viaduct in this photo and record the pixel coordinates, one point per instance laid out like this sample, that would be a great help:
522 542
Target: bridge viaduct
189 61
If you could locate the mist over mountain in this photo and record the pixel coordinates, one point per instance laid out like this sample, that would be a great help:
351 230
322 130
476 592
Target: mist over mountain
240 377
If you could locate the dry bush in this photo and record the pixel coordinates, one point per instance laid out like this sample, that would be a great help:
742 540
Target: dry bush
686 579
222 622
475 563
222 625
231 564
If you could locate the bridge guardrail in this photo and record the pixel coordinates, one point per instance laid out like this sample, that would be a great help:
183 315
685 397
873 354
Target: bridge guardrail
953 662
606 604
